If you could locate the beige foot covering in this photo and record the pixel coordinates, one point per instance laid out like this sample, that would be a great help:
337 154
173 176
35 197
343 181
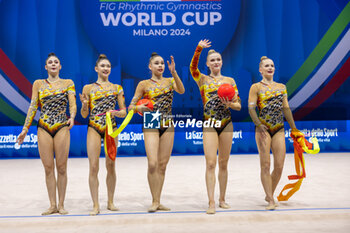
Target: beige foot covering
62 211
51 210
224 205
153 208
95 212
112 207
164 208
211 211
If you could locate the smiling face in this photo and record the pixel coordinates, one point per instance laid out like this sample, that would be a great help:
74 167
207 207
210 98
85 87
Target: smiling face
53 65
267 68
157 66
103 68
214 62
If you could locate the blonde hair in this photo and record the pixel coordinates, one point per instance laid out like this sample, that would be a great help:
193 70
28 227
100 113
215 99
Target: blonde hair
211 52
262 59
100 58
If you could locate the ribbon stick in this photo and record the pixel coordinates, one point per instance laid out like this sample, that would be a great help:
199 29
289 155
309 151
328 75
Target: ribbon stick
111 111
109 144
301 145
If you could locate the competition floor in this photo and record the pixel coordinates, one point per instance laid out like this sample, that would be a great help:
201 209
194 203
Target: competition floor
321 205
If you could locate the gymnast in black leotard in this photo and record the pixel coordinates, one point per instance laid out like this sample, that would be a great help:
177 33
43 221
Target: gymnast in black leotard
158 142
217 110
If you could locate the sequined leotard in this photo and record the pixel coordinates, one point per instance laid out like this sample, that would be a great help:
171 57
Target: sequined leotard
101 101
53 102
213 108
161 96
270 104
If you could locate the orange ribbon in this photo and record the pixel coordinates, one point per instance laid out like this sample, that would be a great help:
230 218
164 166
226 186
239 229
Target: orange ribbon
301 145
109 145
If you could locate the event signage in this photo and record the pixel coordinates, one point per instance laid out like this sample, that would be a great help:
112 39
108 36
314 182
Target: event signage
124 30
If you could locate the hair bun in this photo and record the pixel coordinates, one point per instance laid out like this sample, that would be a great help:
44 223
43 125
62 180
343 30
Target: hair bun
102 56
263 58
211 51
153 55
51 54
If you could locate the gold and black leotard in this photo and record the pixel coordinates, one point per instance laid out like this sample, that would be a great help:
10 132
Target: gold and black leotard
270 104
213 108
101 101
53 102
161 95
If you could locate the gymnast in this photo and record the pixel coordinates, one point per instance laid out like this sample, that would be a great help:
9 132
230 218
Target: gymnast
158 142
217 109
98 98
272 101
53 95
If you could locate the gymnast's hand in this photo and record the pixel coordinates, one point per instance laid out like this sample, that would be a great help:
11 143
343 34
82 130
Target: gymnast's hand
21 136
143 108
171 65
83 98
70 123
226 101
117 113
205 43
262 130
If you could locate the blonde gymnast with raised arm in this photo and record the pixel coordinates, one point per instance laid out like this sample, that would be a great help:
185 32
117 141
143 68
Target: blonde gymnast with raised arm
216 109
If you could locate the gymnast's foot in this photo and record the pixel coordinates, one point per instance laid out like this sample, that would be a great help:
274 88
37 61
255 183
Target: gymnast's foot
211 208
111 207
62 211
268 201
271 206
164 208
224 205
95 211
51 210
154 207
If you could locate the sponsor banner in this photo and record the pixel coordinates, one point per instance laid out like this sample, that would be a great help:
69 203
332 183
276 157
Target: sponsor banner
9 148
333 136
130 141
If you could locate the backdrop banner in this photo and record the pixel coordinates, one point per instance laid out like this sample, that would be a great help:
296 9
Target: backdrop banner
332 136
